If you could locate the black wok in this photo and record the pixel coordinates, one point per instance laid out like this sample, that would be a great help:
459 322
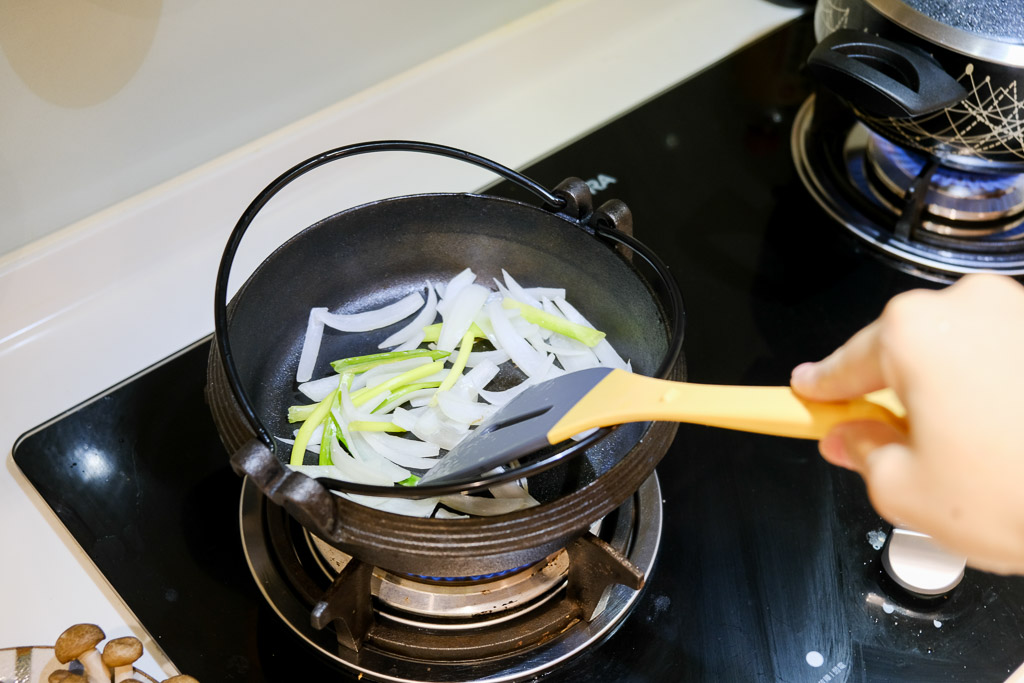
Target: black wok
374 254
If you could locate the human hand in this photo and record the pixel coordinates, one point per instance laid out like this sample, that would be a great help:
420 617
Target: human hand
956 360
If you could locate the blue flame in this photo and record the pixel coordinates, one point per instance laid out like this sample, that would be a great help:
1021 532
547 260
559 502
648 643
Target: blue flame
911 163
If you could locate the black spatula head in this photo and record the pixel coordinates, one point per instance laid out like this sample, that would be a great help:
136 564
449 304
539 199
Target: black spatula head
520 427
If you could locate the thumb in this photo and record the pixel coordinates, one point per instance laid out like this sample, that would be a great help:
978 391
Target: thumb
881 455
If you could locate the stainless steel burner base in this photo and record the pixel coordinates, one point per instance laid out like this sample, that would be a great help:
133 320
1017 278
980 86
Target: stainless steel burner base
637 538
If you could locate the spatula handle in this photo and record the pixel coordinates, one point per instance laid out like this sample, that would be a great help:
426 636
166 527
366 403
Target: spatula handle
625 397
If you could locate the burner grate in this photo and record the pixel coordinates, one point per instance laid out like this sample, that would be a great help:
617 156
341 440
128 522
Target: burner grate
394 627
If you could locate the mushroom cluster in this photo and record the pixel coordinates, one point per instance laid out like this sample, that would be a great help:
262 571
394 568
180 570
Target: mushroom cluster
114 664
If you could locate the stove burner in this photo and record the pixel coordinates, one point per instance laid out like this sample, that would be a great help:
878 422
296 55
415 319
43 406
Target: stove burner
957 196
508 627
454 598
468 579
933 221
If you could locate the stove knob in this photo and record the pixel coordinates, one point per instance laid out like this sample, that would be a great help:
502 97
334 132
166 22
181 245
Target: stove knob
914 562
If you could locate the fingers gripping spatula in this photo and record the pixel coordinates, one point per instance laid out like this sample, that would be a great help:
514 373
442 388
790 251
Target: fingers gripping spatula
555 410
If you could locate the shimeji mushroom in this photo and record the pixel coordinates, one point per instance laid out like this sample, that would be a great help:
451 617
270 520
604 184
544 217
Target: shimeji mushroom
65 676
181 678
79 642
120 654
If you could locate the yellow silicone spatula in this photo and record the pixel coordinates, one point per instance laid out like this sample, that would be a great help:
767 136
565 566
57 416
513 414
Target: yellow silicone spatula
553 411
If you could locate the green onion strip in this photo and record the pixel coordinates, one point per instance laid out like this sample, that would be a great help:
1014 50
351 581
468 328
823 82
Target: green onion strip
322 410
360 364
408 377
465 346
532 314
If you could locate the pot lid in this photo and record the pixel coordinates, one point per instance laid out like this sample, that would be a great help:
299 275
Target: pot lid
990 30
1001 20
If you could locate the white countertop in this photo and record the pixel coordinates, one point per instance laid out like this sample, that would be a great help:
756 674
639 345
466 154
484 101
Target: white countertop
112 294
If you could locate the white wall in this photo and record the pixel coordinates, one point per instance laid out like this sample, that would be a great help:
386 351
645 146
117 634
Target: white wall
100 99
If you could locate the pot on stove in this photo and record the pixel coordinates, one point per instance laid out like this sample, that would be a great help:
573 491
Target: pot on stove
382 250
944 77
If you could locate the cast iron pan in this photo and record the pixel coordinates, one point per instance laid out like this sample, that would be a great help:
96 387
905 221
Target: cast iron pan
374 254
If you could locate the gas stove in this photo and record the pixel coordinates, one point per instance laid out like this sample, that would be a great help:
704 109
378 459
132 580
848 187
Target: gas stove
759 561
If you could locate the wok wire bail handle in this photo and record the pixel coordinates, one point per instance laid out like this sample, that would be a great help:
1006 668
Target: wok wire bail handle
220 319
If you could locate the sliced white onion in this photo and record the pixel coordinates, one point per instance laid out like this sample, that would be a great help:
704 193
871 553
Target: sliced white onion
316 471
603 350
415 327
524 328
443 513
582 435
409 453
510 489
522 354
541 293
354 470
463 410
431 425
483 321
451 289
499 295
413 342
319 389
406 418
310 345
502 290
500 398
487 507
573 355
365 454
348 412
375 319
538 344
470 384
410 507
358 446
556 346
517 292
346 469
460 314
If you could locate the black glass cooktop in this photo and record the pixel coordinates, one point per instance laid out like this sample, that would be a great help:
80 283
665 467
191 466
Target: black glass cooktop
766 570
